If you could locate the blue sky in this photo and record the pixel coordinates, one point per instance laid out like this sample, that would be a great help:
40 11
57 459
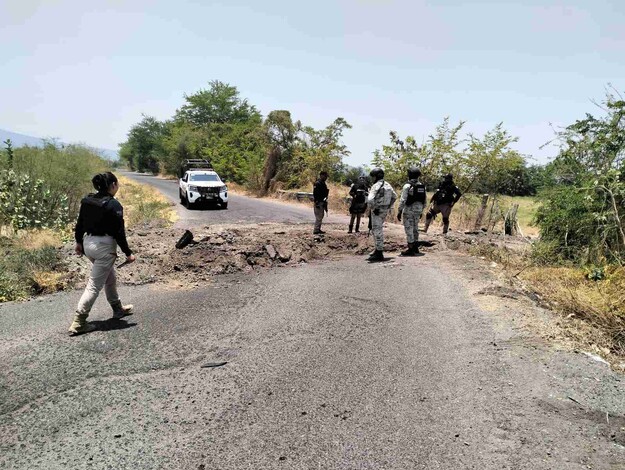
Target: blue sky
84 71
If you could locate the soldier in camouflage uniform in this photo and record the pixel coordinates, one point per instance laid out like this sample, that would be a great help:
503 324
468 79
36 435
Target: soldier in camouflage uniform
380 200
410 208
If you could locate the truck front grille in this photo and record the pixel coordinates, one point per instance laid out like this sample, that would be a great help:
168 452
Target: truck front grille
208 190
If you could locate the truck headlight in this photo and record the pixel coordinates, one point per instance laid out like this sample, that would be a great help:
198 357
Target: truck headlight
194 188
223 188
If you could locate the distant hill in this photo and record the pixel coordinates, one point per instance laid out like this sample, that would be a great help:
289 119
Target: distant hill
19 140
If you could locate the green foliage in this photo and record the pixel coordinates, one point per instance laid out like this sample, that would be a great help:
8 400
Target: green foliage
30 204
220 104
144 145
218 125
485 165
9 151
583 215
45 185
315 150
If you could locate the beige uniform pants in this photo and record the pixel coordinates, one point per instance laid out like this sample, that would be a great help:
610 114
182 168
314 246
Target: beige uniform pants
377 227
102 252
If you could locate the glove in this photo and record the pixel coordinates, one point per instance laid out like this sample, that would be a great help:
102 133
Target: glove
376 211
399 216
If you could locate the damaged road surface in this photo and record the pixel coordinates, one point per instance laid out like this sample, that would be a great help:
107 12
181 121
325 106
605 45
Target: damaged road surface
336 365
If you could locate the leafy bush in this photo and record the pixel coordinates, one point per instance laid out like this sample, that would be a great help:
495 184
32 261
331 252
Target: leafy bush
30 204
66 170
583 216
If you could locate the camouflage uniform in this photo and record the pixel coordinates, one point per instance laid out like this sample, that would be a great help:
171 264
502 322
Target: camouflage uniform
410 213
381 199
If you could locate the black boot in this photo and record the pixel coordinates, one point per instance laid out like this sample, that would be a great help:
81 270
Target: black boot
409 251
377 255
350 229
415 249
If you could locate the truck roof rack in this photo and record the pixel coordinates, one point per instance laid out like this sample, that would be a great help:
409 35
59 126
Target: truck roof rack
195 164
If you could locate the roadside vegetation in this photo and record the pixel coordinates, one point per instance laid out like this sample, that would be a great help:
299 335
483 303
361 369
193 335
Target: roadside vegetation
40 193
570 211
576 265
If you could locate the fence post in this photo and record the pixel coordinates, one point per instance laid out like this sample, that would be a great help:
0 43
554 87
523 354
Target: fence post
510 222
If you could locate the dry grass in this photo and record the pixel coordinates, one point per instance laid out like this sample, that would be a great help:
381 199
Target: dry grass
48 282
593 312
143 204
37 239
464 214
600 304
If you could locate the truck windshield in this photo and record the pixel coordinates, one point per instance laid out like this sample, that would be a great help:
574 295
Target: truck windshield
204 177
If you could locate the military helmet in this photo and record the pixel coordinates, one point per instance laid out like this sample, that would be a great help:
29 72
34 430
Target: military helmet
413 172
448 177
377 173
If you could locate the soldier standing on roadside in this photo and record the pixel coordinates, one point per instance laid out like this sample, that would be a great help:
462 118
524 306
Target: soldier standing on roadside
442 202
357 208
410 208
381 199
320 197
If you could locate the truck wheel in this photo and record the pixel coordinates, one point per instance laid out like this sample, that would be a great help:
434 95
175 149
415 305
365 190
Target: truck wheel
224 205
188 204
181 198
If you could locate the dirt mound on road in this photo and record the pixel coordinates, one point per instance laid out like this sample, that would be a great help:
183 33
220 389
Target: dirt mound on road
231 249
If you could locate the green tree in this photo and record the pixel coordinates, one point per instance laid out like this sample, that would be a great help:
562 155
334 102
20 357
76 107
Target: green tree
281 134
438 155
219 104
316 150
144 145
582 217
491 165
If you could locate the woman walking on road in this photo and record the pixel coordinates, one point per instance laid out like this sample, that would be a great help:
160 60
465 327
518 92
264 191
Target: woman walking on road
99 231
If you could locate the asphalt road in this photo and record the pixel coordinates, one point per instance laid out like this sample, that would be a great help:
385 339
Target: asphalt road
241 209
336 365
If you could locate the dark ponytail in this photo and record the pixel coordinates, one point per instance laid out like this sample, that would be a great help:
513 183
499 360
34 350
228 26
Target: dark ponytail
102 181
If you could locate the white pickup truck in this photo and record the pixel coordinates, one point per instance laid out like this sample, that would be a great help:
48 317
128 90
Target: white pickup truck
199 185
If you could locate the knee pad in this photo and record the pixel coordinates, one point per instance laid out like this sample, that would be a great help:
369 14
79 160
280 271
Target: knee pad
445 220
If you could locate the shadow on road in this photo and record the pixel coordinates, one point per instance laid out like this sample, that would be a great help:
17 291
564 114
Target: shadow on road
111 324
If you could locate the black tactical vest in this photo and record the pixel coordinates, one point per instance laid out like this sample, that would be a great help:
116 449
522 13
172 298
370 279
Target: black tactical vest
94 214
416 193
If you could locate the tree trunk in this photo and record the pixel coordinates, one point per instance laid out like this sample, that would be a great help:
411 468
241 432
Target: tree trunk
481 211
271 167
